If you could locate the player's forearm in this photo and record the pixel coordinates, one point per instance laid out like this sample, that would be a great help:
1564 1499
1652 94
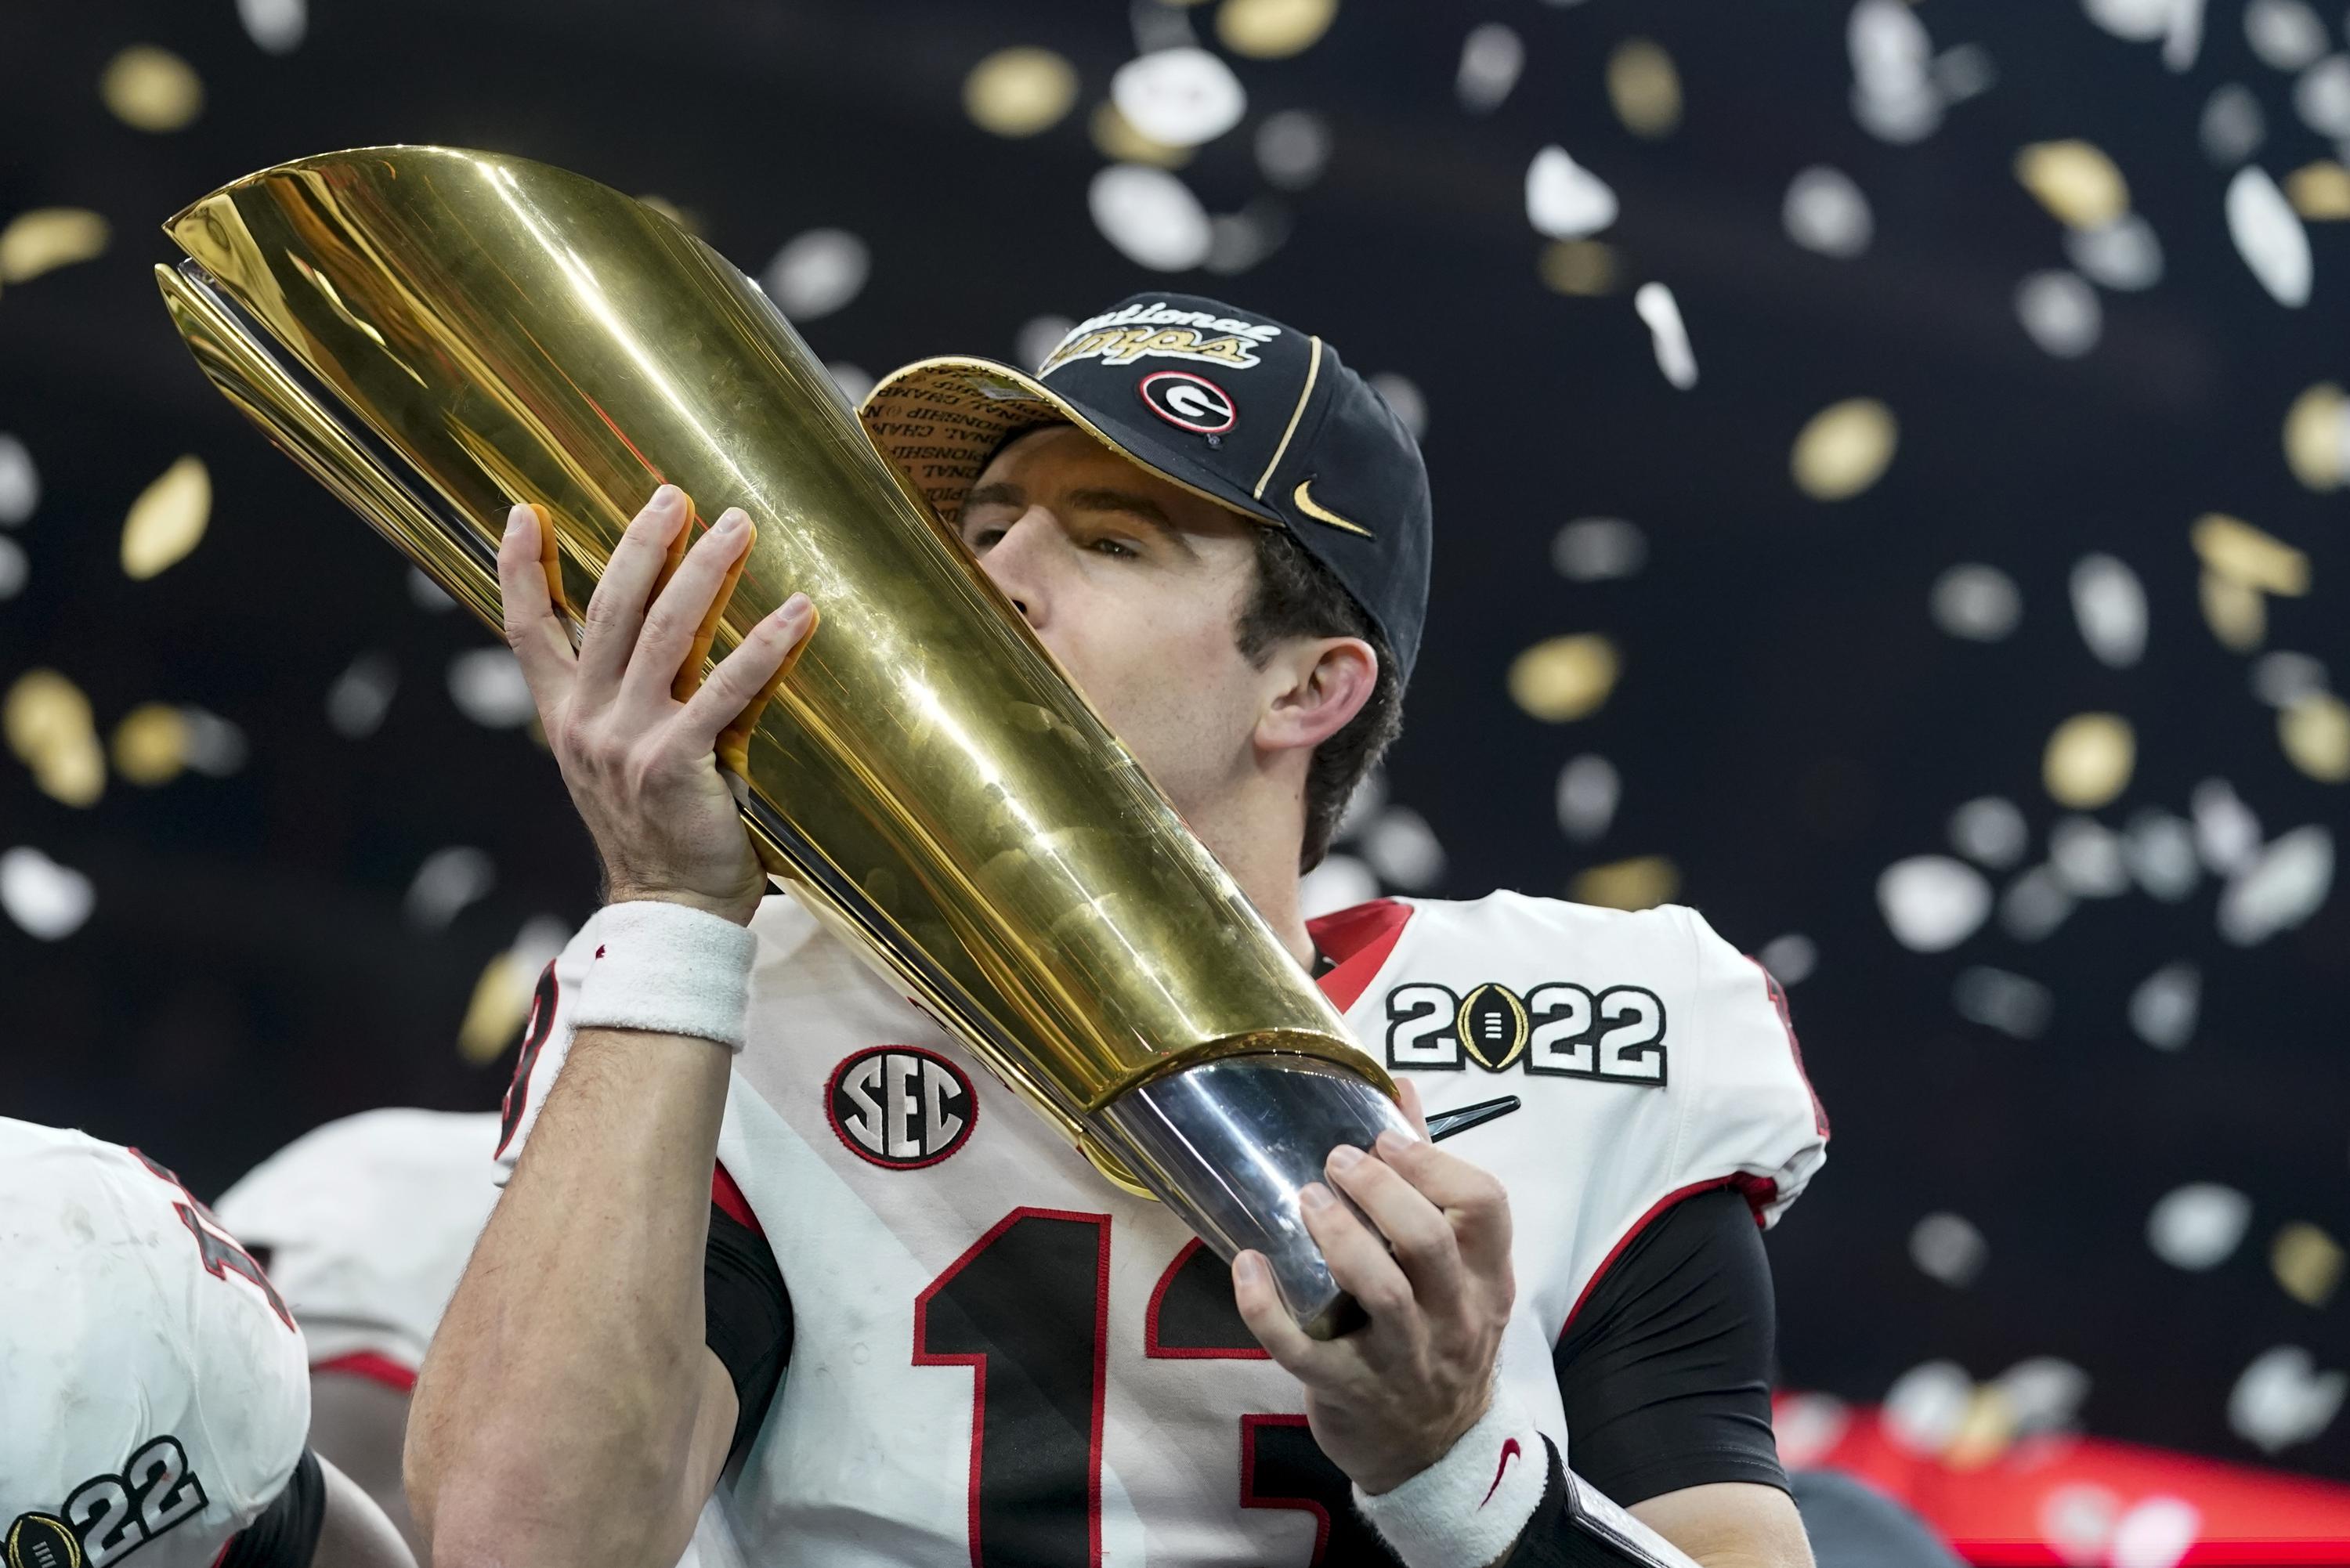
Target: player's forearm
557 1419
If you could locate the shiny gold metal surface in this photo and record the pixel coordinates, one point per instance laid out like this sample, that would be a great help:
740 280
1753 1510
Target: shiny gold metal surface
434 333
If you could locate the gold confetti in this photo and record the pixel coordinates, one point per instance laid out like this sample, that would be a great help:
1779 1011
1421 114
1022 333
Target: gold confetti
2319 192
1845 449
1019 92
1641 883
49 728
2307 1262
1985 1432
2076 183
501 1001
2317 436
2314 729
1579 266
150 744
152 89
2242 554
168 519
1115 139
1564 678
45 238
1645 88
1273 29
2237 615
2089 760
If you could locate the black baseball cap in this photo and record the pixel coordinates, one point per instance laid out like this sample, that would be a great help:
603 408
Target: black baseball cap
1250 413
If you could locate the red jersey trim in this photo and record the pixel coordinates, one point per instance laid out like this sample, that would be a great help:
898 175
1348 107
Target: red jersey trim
1249 1498
1778 995
1760 1192
372 1365
1359 939
731 1201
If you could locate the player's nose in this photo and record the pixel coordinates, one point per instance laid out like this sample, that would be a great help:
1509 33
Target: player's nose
1020 562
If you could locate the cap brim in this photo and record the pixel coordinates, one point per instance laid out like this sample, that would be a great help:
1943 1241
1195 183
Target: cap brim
939 421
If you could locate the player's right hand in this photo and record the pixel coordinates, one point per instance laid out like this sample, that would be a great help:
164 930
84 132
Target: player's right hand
643 765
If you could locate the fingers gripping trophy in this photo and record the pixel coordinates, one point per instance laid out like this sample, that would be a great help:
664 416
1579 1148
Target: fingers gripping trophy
862 677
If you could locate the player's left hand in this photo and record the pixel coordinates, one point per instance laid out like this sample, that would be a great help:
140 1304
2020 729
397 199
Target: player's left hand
1391 1399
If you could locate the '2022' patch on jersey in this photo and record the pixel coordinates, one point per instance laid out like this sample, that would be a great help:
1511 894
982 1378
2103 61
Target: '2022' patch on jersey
1614 1034
900 1107
107 1516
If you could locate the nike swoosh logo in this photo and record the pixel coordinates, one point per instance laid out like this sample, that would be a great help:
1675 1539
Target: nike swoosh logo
1445 1123
1321 513
1509 1452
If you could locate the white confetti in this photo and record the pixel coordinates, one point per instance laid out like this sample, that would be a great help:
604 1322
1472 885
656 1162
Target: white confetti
1491 58
2078 1518
1945 1246
1808 1426
20 482
1363 807
2282 1400
2269 236
2043 1394
15 567
2109 607
1038 338
1151 216
216 747
1588 790
1791 959
1292 147
1402 848
2322 97
1404 396
2163 1009
488 687
1932 902
1991 832
817 272
427 595
2086 856
449 880
1825 212
1998 999
2283 887
361 695
2199 1226
2233 126
274 24
2034 904
1340 882
1565 200
854 381
1598 549
1893 95
1662 314
2122 255
1981 604
1238 241
1927 1406
2281 679
2285 34
1180 97
2160 849
2156 1533
49 901
2139 21
2227 834
2060 313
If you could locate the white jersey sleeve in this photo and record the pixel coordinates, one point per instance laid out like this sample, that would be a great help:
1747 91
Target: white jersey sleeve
156 1388
367 1222
545 1041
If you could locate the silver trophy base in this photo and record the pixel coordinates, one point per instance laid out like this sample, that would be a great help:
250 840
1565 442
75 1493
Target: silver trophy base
1229 1146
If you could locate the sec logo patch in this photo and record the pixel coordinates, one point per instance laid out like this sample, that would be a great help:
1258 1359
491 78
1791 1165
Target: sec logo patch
1187 403
900 1107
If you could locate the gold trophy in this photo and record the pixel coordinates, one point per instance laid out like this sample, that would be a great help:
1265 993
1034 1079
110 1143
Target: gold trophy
436 333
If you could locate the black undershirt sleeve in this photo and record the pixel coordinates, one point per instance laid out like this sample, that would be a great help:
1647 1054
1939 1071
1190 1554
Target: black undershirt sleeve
286 1533
1665 1370
746 1317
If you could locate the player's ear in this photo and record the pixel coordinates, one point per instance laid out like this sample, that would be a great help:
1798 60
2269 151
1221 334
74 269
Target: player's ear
1314 686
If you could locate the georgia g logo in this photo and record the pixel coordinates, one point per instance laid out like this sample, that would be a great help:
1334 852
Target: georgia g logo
900 1107
1187 403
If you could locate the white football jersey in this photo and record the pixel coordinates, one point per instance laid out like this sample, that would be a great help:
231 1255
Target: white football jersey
153 1390
1000 1357
369 1222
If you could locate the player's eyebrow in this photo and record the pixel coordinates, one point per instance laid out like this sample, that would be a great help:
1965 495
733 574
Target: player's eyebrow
1000 493
1141 508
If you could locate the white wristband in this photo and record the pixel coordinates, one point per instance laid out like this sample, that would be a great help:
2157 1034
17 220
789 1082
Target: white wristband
669 970
1468 1507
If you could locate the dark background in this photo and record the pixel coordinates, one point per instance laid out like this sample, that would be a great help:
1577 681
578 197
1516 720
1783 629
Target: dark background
1790 721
